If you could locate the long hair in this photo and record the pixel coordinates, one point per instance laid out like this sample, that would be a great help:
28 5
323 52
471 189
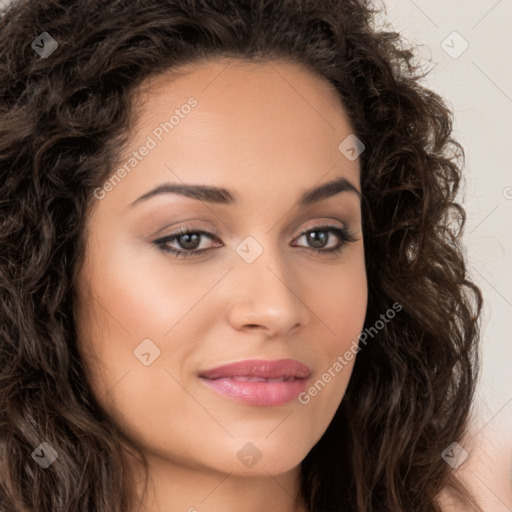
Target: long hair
64 118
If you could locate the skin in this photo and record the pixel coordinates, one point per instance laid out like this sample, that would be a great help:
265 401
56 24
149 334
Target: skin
487 470
267 132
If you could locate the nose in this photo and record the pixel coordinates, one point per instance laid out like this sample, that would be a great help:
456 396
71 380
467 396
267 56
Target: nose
264 295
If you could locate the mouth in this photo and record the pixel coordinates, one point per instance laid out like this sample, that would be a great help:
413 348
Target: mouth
258 382
244 378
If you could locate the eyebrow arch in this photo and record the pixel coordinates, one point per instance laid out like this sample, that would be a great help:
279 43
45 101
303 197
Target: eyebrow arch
223 196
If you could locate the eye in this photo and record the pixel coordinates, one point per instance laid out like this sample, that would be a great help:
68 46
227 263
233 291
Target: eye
319 237
189 241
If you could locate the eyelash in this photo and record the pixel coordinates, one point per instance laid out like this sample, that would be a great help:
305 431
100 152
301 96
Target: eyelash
344 235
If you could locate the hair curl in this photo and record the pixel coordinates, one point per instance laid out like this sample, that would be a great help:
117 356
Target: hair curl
63 122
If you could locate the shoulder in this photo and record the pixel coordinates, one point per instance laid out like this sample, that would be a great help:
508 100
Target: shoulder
486 473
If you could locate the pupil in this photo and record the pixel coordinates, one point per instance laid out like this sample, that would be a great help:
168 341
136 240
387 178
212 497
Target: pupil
186 241
317 236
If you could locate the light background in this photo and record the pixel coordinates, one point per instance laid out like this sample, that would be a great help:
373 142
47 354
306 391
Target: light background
477 84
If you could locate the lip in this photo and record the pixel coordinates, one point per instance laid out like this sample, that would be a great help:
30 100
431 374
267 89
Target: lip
258 382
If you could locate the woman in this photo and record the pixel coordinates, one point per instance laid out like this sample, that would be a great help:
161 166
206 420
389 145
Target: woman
232 274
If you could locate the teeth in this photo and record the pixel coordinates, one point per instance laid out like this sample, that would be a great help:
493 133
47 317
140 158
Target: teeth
243 378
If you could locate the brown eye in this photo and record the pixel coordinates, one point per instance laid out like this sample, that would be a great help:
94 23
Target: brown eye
187 242
318 238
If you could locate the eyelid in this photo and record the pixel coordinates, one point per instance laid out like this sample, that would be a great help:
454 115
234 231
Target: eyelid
343 234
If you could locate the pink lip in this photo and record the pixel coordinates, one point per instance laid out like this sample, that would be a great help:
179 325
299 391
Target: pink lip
246 381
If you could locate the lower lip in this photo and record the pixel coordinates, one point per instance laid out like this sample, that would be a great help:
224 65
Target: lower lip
258 393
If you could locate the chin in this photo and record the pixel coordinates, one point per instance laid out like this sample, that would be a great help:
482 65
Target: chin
260 456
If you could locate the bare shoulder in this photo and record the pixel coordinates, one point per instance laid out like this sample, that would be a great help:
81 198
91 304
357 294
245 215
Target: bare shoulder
450 501
487 474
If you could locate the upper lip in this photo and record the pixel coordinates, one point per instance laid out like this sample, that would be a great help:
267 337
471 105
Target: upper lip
268 369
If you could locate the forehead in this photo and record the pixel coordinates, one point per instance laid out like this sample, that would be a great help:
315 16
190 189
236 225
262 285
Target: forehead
270 124
279 97
231 79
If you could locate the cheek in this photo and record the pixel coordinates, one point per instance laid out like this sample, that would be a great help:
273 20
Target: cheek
343 304
340 303
341 309
133 308
144 294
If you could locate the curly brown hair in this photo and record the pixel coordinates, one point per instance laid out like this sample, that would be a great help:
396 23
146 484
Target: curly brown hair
63 122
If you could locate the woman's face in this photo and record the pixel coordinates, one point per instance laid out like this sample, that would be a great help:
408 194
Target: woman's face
261 282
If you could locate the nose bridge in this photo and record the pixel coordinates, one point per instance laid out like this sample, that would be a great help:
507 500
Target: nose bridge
265 291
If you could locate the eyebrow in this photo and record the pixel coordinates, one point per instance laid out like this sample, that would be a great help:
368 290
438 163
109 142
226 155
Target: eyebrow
218 195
